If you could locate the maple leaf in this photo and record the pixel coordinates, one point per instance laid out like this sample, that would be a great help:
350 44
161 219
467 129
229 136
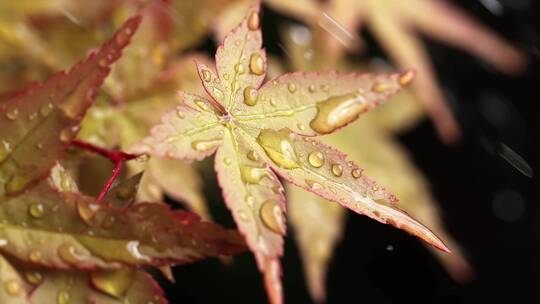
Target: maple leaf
393 24
259 131
383 158
37 125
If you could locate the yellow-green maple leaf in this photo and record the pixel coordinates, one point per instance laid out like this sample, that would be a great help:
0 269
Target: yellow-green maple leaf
259 131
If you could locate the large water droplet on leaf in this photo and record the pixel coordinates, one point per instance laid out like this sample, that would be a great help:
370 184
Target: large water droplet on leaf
250 96
272 216
12 287
337 111
62 297
254 21
256 64
36 210
253 175
33 277
316 159
114 283
278 147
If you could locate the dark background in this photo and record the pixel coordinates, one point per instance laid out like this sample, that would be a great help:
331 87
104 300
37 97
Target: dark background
488 206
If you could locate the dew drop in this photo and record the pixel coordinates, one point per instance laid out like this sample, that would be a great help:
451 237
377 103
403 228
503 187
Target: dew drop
313 185
311 88
227 161
316 159
250 96
33 277
278 147
121 38
36 210
217 93
291 87
242 214
337 111
5 150
273 102
86 211
180 114
68 133
133 249
272 217
45 110
252 156
12 287
12 114
253 175
34 256
381 88
32 116
406 78
17 183
337 170
239 68
250 201
356 173
202 105
205 145
256 64
226 76
206 75
254 21
103 63
301 127
62 297
325 87
114 283
69 255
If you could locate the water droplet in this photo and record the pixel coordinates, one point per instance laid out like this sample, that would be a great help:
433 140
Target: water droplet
180 114
273 102
406 78
206 75
256 64
103 63
278 147
291 87
217 93
272 217
12 114
226 76
337 170
62 297
68 133
69 255
337 111
301 127
254 21
356 173
12 287
313 185
242 214
202 105
45 110
237 42
316 159
34 256
39 146
205 145
382 87
325 87
239 68
33 277
5 150
250 201
36 210
122 38
17 183
311 88
32 116
114 283
86 211
253 175
133 249
250 96
252 156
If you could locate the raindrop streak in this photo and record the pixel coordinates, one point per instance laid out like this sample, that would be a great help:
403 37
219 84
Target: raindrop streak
337 111
277 146
272 216
335 29
515 160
